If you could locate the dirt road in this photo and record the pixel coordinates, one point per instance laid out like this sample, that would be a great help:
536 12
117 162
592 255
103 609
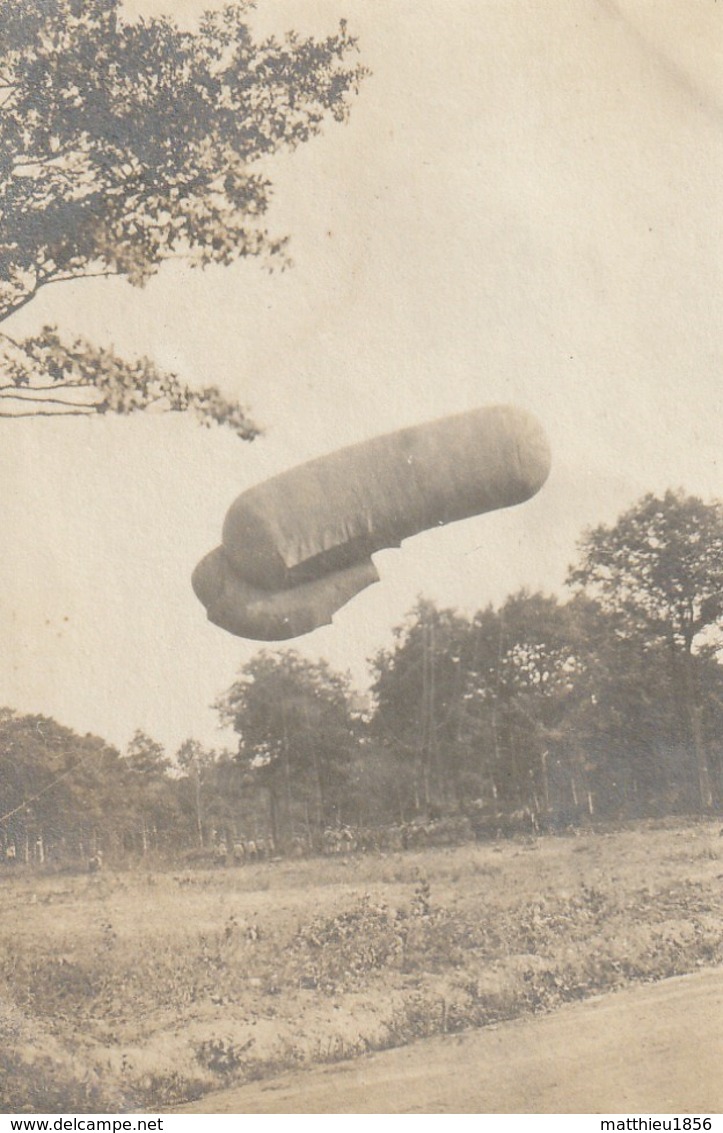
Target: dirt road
651 1049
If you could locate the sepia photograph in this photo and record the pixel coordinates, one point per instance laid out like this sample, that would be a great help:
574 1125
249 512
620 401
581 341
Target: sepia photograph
361 698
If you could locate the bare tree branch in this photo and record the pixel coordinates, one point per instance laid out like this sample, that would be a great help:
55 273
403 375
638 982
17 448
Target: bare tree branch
53 413
46 389
42 400
12 308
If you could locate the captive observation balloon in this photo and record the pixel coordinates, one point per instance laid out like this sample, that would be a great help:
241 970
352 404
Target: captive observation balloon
297 547
274 615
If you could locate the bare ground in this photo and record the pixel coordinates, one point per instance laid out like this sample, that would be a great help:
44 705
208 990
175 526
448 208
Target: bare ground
651 1049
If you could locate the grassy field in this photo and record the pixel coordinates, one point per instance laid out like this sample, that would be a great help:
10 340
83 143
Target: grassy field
139 990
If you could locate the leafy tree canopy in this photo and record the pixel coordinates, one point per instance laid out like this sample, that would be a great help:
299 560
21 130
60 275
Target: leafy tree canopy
658 569
48 377
145 756
287 707
125 144
296 725
47 771
659 572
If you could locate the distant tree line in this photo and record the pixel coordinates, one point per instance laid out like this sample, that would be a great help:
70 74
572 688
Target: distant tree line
606 705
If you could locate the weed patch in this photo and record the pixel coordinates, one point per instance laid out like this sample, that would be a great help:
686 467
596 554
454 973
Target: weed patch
147 991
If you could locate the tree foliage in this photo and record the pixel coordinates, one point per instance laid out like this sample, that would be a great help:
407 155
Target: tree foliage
658 574
123 145
297 736
64 796
419 691
48 377
659 568
472 701
53 784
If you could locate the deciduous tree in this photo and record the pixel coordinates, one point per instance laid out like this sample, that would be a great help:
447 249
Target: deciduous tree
658 573
419 690
124 144
297 736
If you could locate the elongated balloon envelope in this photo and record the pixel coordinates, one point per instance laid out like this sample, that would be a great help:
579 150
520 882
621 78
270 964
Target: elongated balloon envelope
298 547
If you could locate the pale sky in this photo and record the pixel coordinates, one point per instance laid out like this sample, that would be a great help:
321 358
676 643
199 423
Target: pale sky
524 207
